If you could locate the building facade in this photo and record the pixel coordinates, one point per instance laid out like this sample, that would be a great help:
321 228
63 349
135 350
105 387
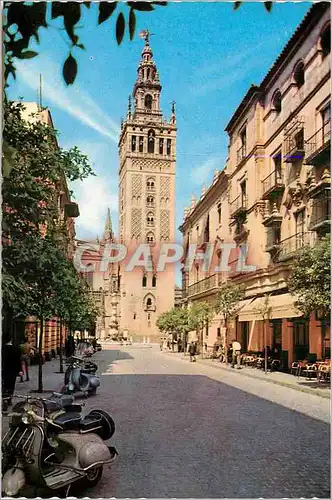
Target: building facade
147 157
278 175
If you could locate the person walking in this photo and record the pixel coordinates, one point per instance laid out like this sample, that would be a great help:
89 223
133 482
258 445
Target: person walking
27 350
192 351
10 369
70 346
236 354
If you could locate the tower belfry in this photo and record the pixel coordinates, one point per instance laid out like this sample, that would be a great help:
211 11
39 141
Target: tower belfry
147 156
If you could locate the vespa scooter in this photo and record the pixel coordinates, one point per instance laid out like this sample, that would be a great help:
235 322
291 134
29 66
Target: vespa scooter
50 448
79 379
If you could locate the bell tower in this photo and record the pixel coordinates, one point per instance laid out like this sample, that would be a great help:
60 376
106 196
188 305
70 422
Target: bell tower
147 158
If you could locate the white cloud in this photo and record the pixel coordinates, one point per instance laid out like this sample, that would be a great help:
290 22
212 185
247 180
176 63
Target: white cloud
200 174
72 100
94 196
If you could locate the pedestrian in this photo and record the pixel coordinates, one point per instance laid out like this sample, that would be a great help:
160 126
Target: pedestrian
10 369
192 351
27 350
69 346
161 343
236 354
179 345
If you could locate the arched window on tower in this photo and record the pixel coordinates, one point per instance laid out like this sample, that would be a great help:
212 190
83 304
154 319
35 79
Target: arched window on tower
169 142
133 142
150 219
144 281
150 185
141 143
150 238
148 101
154 281
150 201
151 135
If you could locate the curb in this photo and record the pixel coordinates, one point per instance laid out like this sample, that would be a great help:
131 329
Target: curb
276 382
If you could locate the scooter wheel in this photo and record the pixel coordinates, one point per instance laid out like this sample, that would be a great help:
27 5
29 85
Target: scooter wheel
93 476
107 424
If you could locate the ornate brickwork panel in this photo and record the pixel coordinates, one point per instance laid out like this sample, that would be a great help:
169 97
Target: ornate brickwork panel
136 185
150 164
165 185
136 222
164 225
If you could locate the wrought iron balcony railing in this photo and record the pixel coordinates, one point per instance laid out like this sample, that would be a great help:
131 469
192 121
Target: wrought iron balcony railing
317 147
239 205
294 140
241 154
272 183
290 245
204 285
321 213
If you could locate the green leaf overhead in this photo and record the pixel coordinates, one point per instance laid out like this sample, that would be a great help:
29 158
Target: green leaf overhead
268 6
132 23
28 54
70 70
120 28
106 9
142 6
237 5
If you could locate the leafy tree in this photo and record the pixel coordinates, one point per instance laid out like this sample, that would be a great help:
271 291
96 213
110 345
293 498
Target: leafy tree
200 314
25 21
310 278
227 305
34 236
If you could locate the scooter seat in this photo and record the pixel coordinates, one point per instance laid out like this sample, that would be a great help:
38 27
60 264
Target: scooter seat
88 423
57 402
69 421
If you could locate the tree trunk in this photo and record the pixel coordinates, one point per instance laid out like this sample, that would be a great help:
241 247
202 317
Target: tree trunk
265 347
40 348
226 341
60 347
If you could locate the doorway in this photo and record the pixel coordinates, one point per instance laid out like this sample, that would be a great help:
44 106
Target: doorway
244 334
300 339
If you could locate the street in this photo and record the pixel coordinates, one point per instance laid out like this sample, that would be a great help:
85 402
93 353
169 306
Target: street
182 433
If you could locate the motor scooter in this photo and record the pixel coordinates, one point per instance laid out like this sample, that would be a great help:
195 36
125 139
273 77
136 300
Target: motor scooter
51 448
80 378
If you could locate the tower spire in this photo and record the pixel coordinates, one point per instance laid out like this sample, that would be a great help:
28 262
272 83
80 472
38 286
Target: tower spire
108 233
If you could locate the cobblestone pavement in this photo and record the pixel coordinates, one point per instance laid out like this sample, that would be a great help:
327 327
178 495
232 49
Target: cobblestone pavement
188 430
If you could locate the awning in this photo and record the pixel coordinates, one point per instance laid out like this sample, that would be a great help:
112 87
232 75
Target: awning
282 306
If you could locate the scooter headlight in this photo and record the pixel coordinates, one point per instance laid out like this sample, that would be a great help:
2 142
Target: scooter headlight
27 418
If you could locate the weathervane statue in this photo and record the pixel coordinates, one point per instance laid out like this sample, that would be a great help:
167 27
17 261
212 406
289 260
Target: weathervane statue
145 35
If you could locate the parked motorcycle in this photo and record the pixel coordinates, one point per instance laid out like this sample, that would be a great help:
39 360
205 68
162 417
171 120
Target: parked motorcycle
48 445
80 377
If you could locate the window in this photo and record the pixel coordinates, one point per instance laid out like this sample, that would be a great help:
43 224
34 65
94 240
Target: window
326 121
276 101
300 226
161 146
243 186
150 219
325 41
149 317
151 141
150 185
154 281
144 281
148 101
148 302
133 142
299 74
150 238
299 140
277 165
134 315
150 201
218 332
168 150
243 137
219 213
141 142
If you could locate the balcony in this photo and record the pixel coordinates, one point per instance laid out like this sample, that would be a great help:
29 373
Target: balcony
273 218
320 219
291 245
204 285
241 154
272 184
318 146
239 206
273 240
294 141
241 233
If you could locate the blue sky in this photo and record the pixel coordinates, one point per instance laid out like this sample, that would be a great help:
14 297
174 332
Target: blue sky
207 56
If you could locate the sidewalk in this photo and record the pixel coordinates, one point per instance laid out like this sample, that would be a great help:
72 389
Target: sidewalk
279 378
